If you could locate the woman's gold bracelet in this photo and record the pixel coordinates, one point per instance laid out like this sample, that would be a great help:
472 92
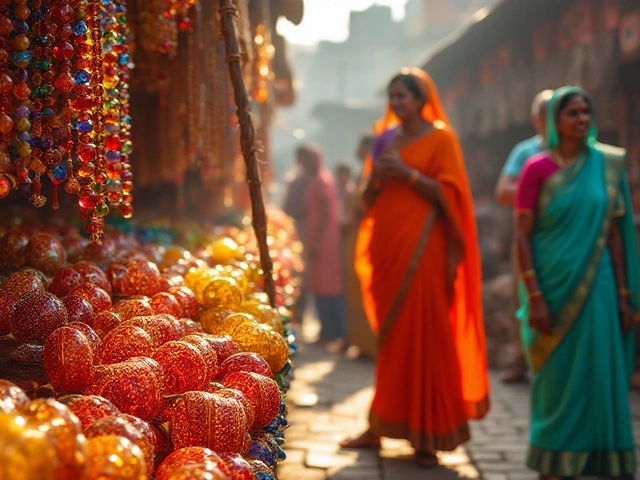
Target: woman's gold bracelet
528 274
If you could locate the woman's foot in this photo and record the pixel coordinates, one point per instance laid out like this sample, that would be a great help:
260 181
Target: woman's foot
368 440
427 459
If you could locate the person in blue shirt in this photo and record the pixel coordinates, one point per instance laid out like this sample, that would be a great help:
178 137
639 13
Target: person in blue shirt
506 188
505 193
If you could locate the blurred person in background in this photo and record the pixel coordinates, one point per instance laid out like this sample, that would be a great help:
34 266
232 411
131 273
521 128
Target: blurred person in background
505 194
297 182
579 290
345 187
323 243
419 266
362 341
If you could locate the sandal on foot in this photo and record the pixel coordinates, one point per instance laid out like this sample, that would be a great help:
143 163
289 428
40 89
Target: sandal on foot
365 441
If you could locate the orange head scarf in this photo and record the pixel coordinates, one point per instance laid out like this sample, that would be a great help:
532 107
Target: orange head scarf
432 111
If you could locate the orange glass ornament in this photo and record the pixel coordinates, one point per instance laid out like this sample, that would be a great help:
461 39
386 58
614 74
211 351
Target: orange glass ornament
122 343
222 292
91 408
45 252
12 398
187 456
183 365
115 458
68 360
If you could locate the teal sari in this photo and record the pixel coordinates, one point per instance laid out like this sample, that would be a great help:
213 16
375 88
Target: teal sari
580 418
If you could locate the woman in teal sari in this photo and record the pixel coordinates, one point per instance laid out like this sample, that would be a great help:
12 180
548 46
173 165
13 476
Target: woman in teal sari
580 290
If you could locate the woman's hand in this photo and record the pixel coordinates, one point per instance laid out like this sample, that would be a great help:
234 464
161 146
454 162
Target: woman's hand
389 166
626 315
540 316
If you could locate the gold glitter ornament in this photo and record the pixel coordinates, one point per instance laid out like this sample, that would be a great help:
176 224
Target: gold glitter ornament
222 292
229 324
204 471
25 454
187 456
212 318
253 337
115 458
12 398
263 392
278 351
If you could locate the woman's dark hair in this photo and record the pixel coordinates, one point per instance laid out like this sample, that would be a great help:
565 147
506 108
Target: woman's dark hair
567 98
411 83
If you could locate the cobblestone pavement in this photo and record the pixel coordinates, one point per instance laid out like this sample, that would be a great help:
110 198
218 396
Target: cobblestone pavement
330 399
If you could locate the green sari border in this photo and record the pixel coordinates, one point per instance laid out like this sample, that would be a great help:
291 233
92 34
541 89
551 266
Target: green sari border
590 464
544 345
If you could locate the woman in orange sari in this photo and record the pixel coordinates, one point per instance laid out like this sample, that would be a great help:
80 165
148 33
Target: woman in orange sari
418 262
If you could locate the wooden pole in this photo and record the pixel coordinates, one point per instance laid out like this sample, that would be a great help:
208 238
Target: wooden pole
228 12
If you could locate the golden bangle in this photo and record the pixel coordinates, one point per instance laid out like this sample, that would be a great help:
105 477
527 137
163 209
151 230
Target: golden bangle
528 274
533 295
413 178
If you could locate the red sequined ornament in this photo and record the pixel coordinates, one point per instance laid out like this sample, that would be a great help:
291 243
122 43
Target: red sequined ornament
22 282
92 336
183 365
12 246
208 354
245 362
205 471
45 252
115 458
189 327
64 281
225 429
145 428
224 346
263 392
97 297
166 303
160 328
138 307
7 304
238 467
36 315
78 309
249 407
187 456
92 273
131 386
64 432
142 278
104 322
68 360
91 408
126 341
12 398
117 425
187 300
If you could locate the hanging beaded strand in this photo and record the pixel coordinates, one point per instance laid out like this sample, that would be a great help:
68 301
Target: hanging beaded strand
7 124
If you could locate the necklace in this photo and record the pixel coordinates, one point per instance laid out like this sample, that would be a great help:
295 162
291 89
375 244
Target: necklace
562 161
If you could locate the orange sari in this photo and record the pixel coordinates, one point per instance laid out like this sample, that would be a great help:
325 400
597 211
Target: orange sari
431 373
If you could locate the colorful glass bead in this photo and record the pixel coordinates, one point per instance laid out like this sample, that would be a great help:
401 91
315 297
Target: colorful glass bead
131 386
78 309
45 252
184 367
223 250
64 281
142 278
26 453
137 307
208 353
264 448
222 292
7 303
64 432
104 322
91 408
262 471
97 297
120 426
186 456
245 362
12 246
238 467
122 343
36 315
22 282
262 391
12 398
115 458
166 303
68 359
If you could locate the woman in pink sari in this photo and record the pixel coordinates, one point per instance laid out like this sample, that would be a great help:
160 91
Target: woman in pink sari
323 244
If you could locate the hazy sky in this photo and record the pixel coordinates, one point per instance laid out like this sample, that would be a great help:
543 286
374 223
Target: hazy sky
329 19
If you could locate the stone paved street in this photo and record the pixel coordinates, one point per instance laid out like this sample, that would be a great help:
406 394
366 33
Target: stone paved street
330 398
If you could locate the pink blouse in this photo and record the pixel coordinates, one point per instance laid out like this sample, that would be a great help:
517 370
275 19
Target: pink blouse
536 171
